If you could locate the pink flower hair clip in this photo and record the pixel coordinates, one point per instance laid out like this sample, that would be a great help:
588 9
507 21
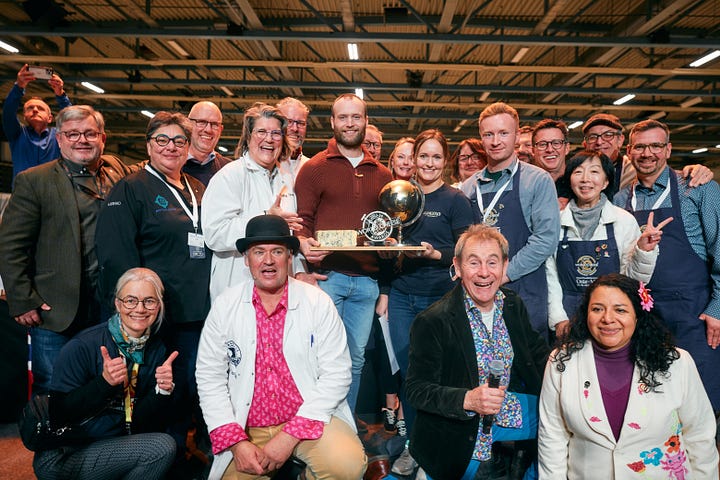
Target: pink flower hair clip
646 301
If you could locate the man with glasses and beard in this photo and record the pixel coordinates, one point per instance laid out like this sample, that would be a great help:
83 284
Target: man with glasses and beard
334 190
686 282
47 256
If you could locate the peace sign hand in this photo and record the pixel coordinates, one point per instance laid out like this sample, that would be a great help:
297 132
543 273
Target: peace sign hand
650 238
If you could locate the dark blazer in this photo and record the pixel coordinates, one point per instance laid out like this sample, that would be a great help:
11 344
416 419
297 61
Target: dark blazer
40 242
443 367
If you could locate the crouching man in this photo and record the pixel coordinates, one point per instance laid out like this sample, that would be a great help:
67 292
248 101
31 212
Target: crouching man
273 370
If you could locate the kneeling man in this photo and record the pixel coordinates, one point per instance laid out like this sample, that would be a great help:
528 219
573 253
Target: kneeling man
273 370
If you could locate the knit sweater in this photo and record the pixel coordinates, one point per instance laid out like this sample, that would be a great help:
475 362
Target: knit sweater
332 195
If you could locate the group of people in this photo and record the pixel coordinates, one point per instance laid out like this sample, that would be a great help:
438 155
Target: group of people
191 289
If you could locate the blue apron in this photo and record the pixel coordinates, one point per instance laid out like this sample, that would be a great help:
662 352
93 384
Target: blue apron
580 262
532 288
681 287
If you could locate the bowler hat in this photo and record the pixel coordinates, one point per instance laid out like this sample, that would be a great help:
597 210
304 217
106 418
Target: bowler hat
267 229
607 119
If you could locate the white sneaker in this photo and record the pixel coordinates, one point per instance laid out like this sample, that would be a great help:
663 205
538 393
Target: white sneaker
405 464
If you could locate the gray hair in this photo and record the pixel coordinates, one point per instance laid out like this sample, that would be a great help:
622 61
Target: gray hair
79 112
252 115
480 232
141 274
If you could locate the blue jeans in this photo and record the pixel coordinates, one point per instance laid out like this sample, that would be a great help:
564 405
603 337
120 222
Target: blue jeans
402 310
45 348
530 417
355 299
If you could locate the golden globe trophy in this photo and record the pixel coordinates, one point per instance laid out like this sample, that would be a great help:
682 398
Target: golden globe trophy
402 203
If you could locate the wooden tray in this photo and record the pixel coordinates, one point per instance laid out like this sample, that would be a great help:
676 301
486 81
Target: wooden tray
371 248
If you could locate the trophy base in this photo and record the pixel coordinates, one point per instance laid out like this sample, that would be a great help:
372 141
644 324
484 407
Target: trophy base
370 248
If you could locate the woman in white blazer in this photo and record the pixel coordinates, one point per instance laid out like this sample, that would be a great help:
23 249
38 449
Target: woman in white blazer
619 400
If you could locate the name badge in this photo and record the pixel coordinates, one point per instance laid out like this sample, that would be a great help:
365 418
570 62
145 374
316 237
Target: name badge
196 245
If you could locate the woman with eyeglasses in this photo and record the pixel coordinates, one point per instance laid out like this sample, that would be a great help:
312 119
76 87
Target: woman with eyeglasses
252 185
114 384
152 219
596 238
469 157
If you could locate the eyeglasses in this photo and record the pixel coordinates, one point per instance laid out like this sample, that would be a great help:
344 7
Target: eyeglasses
639 148
130 302
607 135
374 145
201 124
163 140
262 134
74 136
299 123
467 158
556 144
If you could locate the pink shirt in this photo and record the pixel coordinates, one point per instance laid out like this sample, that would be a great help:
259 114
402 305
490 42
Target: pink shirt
276 398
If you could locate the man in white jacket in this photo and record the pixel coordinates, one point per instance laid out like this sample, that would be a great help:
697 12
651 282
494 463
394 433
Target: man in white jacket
273 370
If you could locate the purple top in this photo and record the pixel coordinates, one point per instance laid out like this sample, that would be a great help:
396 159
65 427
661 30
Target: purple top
614 371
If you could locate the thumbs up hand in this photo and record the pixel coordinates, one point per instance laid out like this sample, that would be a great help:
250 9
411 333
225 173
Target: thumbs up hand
114 369
164 375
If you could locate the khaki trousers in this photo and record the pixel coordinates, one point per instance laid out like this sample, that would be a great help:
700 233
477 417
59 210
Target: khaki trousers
337 455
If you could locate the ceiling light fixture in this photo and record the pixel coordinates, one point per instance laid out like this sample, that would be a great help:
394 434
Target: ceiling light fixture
92 87
690 102
8 47
147 113
222 149
227 91
180 50
700 150
353 51
575 125
359 93
624 99
519 55
706 58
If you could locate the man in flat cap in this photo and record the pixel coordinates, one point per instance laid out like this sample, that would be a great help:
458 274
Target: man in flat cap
603 132
273 369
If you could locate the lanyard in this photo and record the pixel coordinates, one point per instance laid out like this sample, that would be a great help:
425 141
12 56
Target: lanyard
658 202
130 395
495 199
192 216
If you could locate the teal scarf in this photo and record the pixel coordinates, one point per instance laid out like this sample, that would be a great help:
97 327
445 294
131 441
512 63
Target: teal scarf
131 347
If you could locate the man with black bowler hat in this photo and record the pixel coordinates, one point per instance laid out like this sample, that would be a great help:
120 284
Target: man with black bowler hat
273 369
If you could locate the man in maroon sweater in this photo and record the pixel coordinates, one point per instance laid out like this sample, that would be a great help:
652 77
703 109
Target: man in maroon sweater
334 190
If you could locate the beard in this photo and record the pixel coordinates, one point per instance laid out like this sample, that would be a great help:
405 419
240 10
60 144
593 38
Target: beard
352 141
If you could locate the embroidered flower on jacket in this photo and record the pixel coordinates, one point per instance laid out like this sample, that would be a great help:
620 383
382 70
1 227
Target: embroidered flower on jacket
595 419
651 457
634 425
586 393
638 467
673 444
